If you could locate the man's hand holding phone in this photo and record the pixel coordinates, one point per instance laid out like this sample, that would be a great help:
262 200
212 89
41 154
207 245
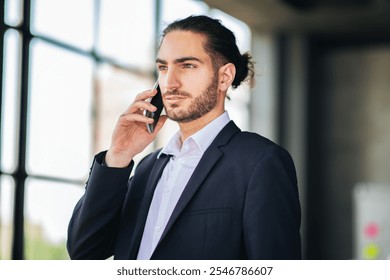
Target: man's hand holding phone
131 135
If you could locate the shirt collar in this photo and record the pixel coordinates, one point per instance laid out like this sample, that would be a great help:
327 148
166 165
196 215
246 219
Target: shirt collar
201 138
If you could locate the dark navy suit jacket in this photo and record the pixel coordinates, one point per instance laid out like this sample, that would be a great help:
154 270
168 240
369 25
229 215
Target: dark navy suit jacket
240 203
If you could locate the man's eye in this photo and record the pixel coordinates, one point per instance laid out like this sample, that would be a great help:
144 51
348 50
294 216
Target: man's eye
161 68
188 65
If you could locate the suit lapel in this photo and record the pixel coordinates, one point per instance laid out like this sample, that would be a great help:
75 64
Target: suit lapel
209 159
150 187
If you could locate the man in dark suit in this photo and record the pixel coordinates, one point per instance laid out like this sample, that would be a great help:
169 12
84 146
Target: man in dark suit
213 192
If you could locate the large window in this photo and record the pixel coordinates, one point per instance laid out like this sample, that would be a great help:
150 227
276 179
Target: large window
69 68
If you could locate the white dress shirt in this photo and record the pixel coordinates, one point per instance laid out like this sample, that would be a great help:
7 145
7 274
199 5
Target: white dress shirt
176 174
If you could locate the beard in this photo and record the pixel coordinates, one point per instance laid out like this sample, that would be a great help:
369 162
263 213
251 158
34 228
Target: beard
199 107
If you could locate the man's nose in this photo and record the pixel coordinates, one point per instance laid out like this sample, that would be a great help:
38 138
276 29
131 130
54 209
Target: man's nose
171 80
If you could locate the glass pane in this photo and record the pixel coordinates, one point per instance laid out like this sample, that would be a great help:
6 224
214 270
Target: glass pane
59 139
7 189
178 9
10 101
70 21
13 12
117 90
48 208
126 32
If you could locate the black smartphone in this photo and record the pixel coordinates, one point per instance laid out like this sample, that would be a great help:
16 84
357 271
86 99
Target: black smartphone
158 102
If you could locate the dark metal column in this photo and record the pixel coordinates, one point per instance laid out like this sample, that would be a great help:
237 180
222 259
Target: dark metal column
2 32
20 174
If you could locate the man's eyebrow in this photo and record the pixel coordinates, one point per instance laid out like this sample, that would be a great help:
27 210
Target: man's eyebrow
180 60
187 58
161 61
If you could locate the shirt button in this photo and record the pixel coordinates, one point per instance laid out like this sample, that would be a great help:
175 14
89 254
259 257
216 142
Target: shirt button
158 228
167 191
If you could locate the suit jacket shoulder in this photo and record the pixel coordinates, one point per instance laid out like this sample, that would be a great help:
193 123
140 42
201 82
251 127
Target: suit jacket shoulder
249 146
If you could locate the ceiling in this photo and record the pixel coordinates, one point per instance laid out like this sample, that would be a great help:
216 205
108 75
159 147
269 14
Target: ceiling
309 15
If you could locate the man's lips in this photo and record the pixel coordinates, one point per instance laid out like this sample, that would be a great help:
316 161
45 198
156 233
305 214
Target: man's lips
174 97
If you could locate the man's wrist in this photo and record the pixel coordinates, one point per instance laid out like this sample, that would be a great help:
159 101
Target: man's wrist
116 160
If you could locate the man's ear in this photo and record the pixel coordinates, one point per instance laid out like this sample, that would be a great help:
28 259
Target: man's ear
226 74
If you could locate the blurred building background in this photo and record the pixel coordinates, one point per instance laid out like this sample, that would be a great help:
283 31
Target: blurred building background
69 68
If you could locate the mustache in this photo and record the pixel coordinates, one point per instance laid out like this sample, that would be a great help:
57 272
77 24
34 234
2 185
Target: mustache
177 93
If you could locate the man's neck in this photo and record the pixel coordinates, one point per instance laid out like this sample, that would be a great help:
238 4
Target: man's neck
190 128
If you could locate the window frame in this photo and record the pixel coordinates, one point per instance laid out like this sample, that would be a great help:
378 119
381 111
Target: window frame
20 175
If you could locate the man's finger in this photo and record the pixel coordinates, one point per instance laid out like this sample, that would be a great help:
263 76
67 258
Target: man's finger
126 118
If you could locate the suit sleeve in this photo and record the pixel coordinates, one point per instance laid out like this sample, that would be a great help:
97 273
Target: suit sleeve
272 214
95 220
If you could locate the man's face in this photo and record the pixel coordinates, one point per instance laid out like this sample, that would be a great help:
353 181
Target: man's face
186 76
